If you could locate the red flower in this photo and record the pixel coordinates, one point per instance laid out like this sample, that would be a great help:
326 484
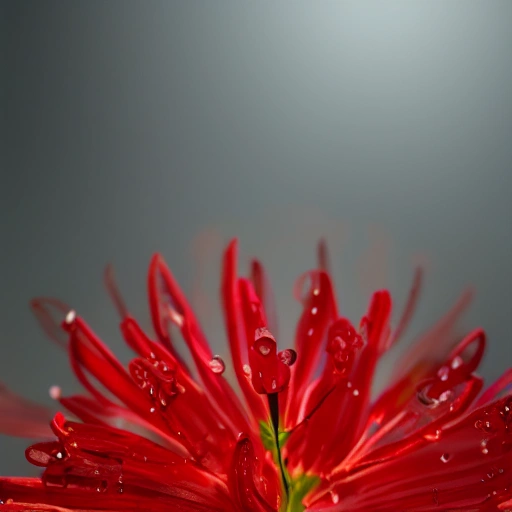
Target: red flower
304 434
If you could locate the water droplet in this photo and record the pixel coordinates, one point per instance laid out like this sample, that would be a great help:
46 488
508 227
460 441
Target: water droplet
247 370
432 436
316 291
217 365
264 350
443 373
484 425
152 410
311 331
340 342
456 362
355 392
287 356
120 488
70 317
335 497
445 396
175 317
102 487
55 392
162 398
445 457
483 447
435 497
314 310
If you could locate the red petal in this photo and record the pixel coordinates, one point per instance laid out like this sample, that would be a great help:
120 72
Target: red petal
263 289
244 480
235 325
319 311
468 467
182 315
50 313
22 418
410 307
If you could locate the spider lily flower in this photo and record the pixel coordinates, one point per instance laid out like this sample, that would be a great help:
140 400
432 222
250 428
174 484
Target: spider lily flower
300 431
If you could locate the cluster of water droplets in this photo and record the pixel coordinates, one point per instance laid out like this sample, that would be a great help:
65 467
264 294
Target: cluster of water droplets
157 379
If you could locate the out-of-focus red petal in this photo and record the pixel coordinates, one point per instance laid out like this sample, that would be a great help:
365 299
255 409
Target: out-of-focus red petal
435 344
263 289
50 313
500 388
113 291
22 418
409 309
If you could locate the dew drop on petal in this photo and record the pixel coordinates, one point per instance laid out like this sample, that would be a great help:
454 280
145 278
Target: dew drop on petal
70 317
247 370
340 342
456 362
484 425
314 310
287 356
445 457
335 497
433 436
55 392
435 497
445 396
443 373
264 350
217 365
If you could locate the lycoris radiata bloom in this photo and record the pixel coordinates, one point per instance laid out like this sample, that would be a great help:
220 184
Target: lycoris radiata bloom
300 431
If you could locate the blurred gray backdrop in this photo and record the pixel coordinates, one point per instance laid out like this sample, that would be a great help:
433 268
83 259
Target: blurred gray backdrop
134 127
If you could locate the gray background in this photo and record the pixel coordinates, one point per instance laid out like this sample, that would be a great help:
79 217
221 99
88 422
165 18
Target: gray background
141 126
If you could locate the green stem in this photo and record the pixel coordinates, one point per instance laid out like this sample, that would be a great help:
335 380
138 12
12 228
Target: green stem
273 404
